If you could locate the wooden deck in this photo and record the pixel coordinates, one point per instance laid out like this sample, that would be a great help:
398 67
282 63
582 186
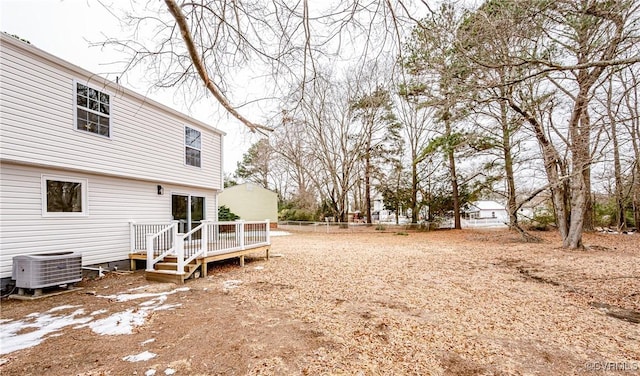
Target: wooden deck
166 270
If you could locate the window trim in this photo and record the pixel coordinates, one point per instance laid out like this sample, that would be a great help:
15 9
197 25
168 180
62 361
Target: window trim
75 108
185 146
43 193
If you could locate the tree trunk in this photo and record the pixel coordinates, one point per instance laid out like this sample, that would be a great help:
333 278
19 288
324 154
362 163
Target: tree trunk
367 184
585 126
579 132
617 170
635 135
414 190
455 193
508 168
554 167
454 179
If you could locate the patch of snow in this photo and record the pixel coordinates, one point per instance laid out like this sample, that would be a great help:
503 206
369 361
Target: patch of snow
279 233
169 371
259 267
159 299
3 361
231 284
150 372
128 297
150 340
119 323
145 355
36 327
43 325
62 308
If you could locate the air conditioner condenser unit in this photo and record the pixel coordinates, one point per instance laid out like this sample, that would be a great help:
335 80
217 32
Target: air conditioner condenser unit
45 270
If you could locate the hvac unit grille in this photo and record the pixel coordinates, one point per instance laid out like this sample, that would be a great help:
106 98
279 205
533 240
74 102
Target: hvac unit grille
45 270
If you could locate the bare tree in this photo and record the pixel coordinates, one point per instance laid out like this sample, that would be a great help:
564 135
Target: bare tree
333 142
291 143
620 108
573 45
417 127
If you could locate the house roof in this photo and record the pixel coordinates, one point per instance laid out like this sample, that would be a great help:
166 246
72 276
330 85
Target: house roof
487 205
248 187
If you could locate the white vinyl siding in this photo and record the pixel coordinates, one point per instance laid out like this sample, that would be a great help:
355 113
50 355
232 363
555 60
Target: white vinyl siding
37 117
101 236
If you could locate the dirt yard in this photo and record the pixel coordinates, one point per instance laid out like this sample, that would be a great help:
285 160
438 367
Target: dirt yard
370 303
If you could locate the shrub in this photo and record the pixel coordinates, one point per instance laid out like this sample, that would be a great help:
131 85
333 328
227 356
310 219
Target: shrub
225 214
541 221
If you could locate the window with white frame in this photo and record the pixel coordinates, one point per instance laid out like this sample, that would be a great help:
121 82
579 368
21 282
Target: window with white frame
92 110
63 196
192 147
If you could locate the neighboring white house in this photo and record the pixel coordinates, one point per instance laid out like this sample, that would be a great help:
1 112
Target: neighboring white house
486 210
251 202
81 157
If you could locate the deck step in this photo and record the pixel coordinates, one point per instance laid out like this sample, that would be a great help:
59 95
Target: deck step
174 266
171 258
165 276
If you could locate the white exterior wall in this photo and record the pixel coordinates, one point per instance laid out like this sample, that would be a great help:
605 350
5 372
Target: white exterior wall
489 213
38 137
102 236
37 95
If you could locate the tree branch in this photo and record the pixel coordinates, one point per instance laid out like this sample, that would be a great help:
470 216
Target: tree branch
181 21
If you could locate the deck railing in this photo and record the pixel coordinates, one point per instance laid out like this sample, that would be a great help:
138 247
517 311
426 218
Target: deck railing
209 238
139 233
233 236
155 254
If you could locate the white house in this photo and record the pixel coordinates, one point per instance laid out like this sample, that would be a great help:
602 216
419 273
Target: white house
486 210
83 157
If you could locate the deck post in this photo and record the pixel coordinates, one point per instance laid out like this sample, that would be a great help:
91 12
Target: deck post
149 239
180 254
132 236
204 238
268 232
240 232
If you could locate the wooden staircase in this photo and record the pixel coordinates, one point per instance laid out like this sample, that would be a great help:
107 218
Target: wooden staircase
167 271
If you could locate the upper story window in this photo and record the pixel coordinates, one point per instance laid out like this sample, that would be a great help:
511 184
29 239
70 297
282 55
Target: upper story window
192 146
92 110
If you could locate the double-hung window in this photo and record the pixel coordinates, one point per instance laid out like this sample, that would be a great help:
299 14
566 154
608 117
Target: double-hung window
63 196
92 110
192 147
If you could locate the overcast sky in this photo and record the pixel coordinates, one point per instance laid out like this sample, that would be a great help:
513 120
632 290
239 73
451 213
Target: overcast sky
65 29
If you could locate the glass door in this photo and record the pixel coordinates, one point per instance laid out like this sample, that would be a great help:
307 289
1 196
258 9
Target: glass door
188 211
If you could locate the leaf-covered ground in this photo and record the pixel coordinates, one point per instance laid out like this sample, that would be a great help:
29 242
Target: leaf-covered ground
361 303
